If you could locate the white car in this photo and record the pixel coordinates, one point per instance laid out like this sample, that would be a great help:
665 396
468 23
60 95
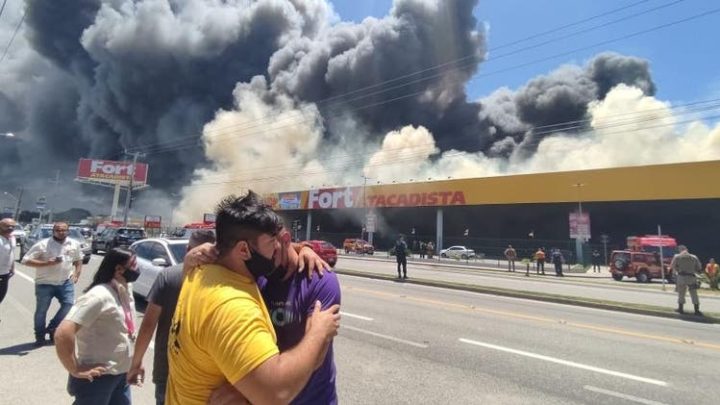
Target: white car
457 252
18 233
154 256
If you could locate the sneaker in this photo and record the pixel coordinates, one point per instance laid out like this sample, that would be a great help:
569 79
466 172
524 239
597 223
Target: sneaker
39 341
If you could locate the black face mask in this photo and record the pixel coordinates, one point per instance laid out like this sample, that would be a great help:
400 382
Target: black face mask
131 275
259 265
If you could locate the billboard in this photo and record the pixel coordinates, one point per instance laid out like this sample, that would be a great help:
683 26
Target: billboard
153 221
208 219
579 225
111 171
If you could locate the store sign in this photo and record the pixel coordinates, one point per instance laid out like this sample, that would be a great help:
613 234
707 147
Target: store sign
432 198
348 197
153 221
370 222
110 171
289 201
208 219
579 225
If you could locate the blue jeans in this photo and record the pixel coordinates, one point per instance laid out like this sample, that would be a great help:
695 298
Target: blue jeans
160 387
44 293
104 390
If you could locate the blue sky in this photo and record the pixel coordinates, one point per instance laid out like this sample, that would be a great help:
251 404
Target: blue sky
684 58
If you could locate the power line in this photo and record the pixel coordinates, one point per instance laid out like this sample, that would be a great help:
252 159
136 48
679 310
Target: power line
610 122
2 7
12 38
327 101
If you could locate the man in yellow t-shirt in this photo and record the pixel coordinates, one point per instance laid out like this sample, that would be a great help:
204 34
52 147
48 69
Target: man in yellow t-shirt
222 331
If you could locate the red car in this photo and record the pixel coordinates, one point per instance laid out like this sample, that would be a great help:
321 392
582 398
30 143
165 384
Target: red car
325 250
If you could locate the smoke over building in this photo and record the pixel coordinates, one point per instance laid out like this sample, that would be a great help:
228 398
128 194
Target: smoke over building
275 94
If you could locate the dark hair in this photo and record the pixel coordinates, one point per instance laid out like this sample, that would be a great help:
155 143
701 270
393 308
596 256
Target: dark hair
201 236
106 271
243 218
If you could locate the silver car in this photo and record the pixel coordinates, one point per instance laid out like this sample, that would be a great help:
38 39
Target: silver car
457 252
154 256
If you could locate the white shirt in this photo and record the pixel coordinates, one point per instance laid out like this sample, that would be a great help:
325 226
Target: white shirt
7 254
48 249
103 337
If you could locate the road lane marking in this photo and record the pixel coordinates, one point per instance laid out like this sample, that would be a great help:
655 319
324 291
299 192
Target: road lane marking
597 328
566 362
622 396
348 314
380 335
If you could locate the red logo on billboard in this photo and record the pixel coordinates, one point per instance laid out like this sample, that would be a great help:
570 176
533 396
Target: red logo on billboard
110 171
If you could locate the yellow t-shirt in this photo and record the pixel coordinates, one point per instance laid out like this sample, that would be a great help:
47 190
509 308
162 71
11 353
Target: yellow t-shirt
221 331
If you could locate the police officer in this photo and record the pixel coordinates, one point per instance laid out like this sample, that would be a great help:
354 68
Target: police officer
686 266
401 256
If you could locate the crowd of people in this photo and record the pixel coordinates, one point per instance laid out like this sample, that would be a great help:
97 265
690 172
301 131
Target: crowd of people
248 318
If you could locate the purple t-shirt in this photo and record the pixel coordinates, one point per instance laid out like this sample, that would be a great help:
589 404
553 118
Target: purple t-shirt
289 304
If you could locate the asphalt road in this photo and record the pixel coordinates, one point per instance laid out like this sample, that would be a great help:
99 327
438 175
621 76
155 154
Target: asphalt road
408 344
599 288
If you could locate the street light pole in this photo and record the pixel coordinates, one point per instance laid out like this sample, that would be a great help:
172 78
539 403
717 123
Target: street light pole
364 201
578 240
128 195
18 201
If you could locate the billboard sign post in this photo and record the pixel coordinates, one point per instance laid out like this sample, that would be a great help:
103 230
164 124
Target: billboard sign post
579 225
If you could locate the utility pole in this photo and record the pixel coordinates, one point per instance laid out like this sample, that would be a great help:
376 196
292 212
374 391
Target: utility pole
364 200
605 239
662 260
579 239
55 182
128 195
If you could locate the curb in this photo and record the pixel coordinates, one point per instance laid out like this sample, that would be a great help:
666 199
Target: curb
579 275
558 299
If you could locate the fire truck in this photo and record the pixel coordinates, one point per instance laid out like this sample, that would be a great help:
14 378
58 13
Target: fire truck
188 229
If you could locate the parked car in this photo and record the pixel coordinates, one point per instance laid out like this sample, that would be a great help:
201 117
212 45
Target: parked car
457 252
19 234
359 246
644 266
45 231
325 250
117 237
154 256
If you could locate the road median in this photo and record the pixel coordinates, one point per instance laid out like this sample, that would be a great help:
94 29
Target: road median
546 297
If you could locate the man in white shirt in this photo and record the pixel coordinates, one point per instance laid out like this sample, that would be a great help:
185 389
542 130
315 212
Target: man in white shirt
58 263
7 255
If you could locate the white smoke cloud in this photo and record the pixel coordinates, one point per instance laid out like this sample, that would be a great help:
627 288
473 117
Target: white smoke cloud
280 154
627 128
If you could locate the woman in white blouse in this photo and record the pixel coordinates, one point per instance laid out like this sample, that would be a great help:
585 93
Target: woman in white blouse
102 324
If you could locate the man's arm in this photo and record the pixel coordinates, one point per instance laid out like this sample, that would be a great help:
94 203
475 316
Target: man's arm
136 375
65 349
78 269
31 257
281 377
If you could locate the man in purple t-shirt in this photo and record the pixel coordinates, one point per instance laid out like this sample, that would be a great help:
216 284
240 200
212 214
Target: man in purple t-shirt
290 297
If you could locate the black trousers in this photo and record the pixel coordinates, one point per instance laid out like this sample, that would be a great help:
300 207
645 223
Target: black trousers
540 267
402 261
4 282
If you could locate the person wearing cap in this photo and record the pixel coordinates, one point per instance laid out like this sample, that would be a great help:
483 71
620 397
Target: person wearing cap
686 266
